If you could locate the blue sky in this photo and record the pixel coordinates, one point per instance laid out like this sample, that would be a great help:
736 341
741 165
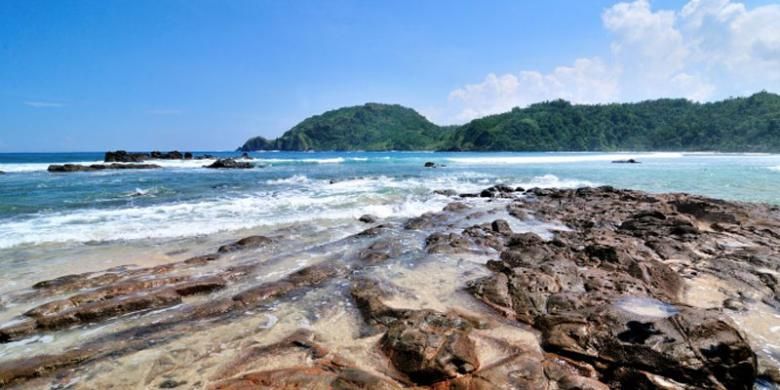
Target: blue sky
206 75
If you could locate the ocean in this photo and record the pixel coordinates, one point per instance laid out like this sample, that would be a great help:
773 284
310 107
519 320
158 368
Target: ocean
184 199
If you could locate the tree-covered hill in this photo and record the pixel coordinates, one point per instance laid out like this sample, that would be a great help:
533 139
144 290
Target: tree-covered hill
737 124
371 126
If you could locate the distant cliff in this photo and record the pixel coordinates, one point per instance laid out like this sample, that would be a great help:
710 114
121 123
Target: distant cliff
750 124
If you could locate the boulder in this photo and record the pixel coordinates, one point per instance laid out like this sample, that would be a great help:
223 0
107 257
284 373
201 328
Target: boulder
229 163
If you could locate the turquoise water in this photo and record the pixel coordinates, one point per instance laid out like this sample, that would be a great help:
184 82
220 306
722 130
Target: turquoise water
184 199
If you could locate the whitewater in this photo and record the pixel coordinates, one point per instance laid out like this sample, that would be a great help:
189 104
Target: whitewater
184 199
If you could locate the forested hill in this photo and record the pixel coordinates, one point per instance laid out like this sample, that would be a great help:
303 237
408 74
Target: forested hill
749 124
371 126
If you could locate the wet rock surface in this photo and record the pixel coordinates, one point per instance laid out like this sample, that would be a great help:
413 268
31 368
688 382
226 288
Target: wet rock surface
603 300
229 163
122 156
610 292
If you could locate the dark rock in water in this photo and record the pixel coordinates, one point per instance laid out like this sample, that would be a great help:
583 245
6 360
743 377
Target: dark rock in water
517 211
171 384
246 155
250 242
430 164
367 218
497 191
446 192
372 231
305 277
628 161
446 243
125 157
98 167
455 207
187 155
173 155
229 163
502 227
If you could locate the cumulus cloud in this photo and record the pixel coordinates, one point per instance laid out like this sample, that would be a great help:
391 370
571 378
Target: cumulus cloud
588 80
708 49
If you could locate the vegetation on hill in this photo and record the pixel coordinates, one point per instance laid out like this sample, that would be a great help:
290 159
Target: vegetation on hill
737 124
371 126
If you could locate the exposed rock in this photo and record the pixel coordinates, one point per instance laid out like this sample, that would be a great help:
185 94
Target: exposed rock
602 294
446 192
174 155
245 243
305 277
455 207
229 163
430 346
125 157
497 191
628 161
430 164
446 243
426 345
367 218
98 167
501 226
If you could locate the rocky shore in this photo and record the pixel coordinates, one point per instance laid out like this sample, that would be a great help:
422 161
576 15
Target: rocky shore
616 289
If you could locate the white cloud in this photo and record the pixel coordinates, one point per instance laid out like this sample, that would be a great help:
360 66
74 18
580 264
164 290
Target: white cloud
588 80
43 104
708 49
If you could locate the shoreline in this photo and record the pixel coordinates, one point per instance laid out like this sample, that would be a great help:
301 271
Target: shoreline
622 275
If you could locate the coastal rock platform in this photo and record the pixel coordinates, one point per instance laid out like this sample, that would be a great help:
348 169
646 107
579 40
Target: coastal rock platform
589 288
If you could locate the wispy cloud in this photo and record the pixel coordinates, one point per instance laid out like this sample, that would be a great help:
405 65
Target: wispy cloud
165 111
43 104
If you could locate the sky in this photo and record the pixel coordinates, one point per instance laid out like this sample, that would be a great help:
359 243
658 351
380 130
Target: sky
94 75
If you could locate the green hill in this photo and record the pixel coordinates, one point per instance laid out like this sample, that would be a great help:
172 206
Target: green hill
750 124
371 126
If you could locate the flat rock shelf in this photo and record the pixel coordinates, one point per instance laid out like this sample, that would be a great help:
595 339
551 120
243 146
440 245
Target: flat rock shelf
609 288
